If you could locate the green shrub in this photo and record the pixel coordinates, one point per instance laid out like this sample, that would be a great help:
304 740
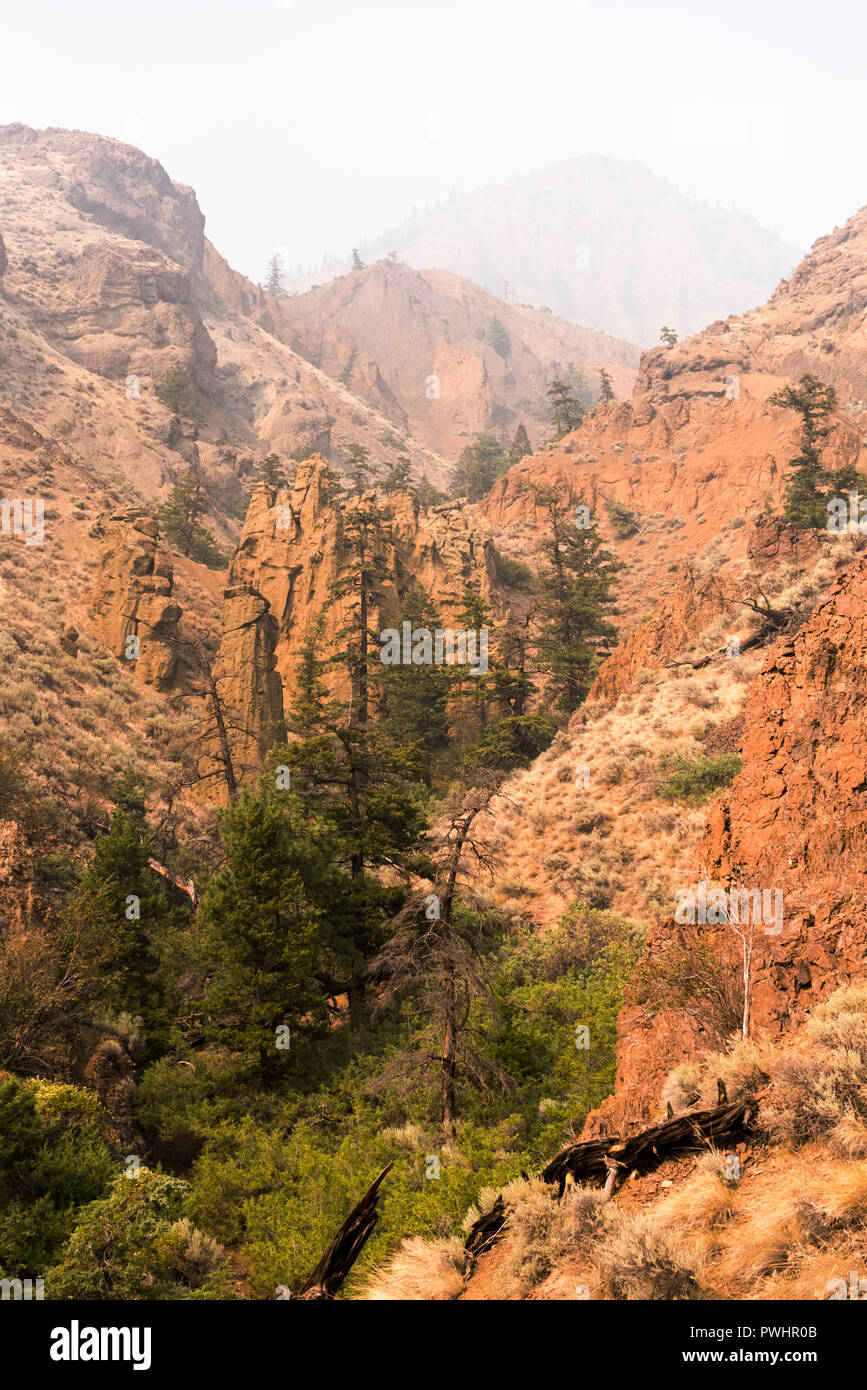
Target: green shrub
623 519
138 1243
53 1160
694 782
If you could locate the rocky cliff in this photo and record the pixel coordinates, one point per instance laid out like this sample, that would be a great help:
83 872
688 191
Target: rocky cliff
698 452
246 676
290 553
795 818
133 606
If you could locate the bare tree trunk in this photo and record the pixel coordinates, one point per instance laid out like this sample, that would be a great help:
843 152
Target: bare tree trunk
449 1059
225 751
748 980
449 1065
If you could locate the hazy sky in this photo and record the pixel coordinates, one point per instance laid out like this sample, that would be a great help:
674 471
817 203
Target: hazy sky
305 125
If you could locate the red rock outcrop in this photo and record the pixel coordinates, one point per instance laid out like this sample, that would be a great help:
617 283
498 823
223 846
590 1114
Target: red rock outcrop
133 608
246 676
290 554
698 450
685 611
796 816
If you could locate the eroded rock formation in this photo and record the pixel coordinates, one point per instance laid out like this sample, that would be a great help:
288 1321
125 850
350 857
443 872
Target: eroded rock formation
290 553
135 613
796 817
246 676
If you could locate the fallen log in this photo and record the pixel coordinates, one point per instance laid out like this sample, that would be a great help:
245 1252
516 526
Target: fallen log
592 1160
185 885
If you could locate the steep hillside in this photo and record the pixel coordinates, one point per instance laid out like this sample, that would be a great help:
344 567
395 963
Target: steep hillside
603 242
423 346
110 287
776 1215
107 293
698 469
697 451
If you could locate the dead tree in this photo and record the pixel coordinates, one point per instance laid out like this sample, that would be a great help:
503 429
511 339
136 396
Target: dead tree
184 885
329 1275
219 712
596 1159
430 954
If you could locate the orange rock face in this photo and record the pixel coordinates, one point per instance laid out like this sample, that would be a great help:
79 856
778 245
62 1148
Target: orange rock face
698 451
796 817
290 553
133 607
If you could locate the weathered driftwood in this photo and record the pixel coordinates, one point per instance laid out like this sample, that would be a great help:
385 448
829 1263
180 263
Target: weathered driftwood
347 1245
486 1231
594 1160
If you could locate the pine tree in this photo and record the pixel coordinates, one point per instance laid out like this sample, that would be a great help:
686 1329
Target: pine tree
414 698
667 336
498 337
358 461
399 476
438 954
566 409
521 445
810 486
426 494
127 909
274 276
357 262
175 391
494 729
575 597
348 774
179 522
606 388
272 472
480 465
260 937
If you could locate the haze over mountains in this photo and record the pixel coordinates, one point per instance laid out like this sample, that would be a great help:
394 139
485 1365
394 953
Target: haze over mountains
601 241
110 275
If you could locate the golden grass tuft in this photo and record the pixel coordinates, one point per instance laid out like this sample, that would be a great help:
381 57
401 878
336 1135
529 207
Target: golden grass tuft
432 1271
